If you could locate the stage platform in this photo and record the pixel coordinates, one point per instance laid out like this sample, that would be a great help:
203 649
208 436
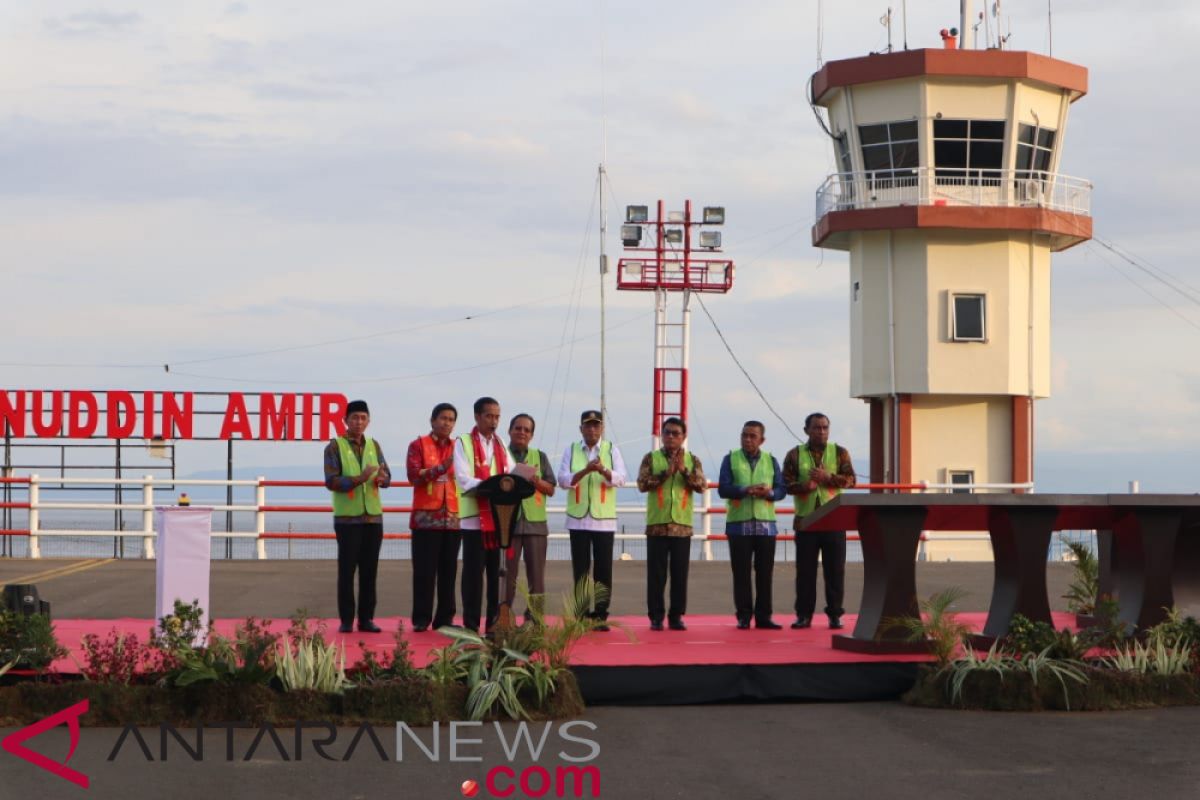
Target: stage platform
710 662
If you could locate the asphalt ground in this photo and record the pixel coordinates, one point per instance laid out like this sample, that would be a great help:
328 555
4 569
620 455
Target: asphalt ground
106 589
824 750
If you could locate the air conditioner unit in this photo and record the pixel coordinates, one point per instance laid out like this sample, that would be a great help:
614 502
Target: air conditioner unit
1029 192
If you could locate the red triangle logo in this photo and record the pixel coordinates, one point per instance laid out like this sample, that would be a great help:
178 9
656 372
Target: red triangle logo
13 743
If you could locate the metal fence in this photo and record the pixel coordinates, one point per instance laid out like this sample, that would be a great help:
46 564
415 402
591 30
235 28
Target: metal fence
69 526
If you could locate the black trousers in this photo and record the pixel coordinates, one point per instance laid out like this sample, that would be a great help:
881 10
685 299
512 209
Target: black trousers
757 552
435 566
477 564
592 551
358 549
831 546
663 554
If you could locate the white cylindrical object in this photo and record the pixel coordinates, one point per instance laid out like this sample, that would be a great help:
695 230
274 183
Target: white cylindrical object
1135 487
35 522
148 517
260 517
965 33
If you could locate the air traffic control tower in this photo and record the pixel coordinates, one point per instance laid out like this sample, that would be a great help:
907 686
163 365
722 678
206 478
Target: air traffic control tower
950 202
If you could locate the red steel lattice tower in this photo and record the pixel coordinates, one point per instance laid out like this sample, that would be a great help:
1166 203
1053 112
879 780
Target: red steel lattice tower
671 266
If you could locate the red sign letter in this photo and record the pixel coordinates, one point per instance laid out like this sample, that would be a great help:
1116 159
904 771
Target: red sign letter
274 424
39 426
76 402
118 403
13 413
177 422
236 419
333 415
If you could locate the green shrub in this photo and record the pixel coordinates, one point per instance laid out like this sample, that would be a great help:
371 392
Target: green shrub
28 641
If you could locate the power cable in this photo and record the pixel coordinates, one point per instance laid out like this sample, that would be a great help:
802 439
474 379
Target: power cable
736 361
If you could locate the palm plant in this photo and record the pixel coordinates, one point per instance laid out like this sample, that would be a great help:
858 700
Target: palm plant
1085 582
936 625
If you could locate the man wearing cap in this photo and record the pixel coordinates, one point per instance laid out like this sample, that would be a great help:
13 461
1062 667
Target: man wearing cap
434 521
530 533
751 482
355 471
591 470
669 476
479 455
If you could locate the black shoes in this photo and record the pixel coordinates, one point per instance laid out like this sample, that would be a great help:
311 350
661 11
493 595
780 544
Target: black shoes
743 624
676 625
346 627
835 624
419 628
801 623
601 626
368 626
656 625
767 624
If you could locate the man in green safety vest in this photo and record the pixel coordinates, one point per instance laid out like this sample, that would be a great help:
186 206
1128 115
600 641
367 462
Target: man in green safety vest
751 482
591 471
355 471
478 455
530 533
669 477
816 472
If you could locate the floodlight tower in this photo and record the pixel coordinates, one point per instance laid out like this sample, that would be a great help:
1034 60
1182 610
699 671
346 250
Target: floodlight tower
950 203
669 267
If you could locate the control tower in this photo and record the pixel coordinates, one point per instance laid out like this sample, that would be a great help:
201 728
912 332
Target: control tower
950 202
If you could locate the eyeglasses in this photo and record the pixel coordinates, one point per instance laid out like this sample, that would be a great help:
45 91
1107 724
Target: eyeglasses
672 432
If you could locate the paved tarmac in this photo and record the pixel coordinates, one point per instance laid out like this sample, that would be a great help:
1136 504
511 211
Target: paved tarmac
101 589
833 750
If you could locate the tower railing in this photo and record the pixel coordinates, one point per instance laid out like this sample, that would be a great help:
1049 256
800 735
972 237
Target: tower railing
940 186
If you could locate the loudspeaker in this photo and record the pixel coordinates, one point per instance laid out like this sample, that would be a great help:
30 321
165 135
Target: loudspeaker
23 599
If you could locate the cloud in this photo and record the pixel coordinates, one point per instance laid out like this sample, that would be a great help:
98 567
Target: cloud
92 23
492 146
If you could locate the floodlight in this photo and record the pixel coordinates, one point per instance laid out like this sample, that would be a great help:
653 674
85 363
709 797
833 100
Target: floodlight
674 235
714 215
637 213
631 235
674 216
710 239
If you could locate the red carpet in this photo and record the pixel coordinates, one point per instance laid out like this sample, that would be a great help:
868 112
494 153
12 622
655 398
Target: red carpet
709 640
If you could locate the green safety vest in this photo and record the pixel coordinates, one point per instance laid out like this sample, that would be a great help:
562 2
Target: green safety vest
751 508
806 502
364 499
672 501
533 509
592 492
468 506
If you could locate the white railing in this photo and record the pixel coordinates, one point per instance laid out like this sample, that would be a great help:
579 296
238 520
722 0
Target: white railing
924 186
709 506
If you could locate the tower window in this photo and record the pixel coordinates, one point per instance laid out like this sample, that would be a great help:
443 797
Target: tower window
1035 150
961 479
968 318
890 148
968 151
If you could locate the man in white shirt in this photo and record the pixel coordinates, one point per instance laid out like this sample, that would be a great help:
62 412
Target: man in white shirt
477 456
591 471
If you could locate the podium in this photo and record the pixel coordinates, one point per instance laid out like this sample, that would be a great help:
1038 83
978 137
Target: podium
184 557
504 494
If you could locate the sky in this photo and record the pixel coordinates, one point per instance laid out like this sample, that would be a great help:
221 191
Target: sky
238 189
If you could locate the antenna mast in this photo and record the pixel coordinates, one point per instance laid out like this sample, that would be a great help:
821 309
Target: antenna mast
602 177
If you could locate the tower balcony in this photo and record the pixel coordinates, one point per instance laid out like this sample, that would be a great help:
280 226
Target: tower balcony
984 200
